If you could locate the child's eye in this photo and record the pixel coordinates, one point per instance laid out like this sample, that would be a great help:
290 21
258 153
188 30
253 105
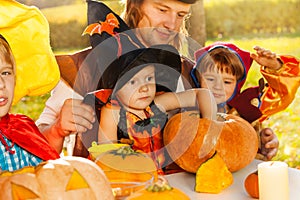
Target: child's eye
227 82
149 78
210 79
131 82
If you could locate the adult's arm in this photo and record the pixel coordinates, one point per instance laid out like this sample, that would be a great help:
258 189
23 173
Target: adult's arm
63 115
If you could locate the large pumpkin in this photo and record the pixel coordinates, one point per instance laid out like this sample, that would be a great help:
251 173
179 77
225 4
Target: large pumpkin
65 178
191 140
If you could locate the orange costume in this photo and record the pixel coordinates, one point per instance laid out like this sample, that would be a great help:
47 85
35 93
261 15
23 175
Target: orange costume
282 87
146 133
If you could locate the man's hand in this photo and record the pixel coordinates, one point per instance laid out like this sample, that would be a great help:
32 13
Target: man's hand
74 117
269 143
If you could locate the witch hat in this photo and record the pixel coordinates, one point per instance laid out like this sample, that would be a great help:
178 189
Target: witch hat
165 58
97 13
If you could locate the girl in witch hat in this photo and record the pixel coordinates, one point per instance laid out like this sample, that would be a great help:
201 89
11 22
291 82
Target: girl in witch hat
21 143
222 67
135 110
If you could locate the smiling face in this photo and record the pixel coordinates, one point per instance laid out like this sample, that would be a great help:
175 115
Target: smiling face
7 78
162 20
222 85
139 91
219 70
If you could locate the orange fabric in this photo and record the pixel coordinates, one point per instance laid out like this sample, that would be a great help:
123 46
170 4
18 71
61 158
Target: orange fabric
285 83
151 143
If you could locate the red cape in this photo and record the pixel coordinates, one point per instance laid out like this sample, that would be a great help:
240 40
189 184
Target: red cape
22 130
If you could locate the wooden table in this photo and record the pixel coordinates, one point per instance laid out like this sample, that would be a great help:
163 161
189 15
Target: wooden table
186 182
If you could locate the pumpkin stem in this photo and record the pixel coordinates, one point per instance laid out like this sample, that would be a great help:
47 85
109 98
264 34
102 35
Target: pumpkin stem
160 185
127 150
221 117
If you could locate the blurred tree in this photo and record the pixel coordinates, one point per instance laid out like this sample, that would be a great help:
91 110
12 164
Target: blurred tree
197 25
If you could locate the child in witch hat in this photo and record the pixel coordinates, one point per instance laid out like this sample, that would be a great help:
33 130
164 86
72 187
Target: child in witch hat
21 143
135 110
222 67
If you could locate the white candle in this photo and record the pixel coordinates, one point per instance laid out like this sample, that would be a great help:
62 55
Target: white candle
273 180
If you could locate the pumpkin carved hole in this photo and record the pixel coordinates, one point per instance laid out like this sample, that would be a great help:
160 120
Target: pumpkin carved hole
76 182
20 192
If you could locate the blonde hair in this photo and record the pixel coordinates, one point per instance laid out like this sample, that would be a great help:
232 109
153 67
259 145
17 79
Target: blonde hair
6 52
221 60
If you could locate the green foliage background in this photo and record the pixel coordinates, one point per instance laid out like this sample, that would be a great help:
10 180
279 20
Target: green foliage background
244 17
272 24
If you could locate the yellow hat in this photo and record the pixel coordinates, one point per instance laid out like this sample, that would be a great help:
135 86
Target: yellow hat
27 31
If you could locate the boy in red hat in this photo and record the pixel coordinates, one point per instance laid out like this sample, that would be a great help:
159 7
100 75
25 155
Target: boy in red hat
223 67
21 143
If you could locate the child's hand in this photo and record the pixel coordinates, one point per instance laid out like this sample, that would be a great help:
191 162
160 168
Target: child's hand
269 143
266 58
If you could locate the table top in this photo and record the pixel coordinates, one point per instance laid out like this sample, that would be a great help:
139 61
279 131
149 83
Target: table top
186 183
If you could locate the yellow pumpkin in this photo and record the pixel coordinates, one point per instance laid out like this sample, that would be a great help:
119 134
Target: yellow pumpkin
125 160
160 190
96 149
191 140
213 176
64 178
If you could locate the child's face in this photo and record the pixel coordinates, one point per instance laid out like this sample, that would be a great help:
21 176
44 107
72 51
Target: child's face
139 91
7 85
222 84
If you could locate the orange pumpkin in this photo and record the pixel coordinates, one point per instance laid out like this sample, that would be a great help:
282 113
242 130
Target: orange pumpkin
160 190
65 178
191 140
251 185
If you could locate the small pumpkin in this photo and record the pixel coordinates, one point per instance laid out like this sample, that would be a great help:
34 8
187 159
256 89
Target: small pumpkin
64 178
232 137
251 184
127 170
160 190
124 160
213 176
